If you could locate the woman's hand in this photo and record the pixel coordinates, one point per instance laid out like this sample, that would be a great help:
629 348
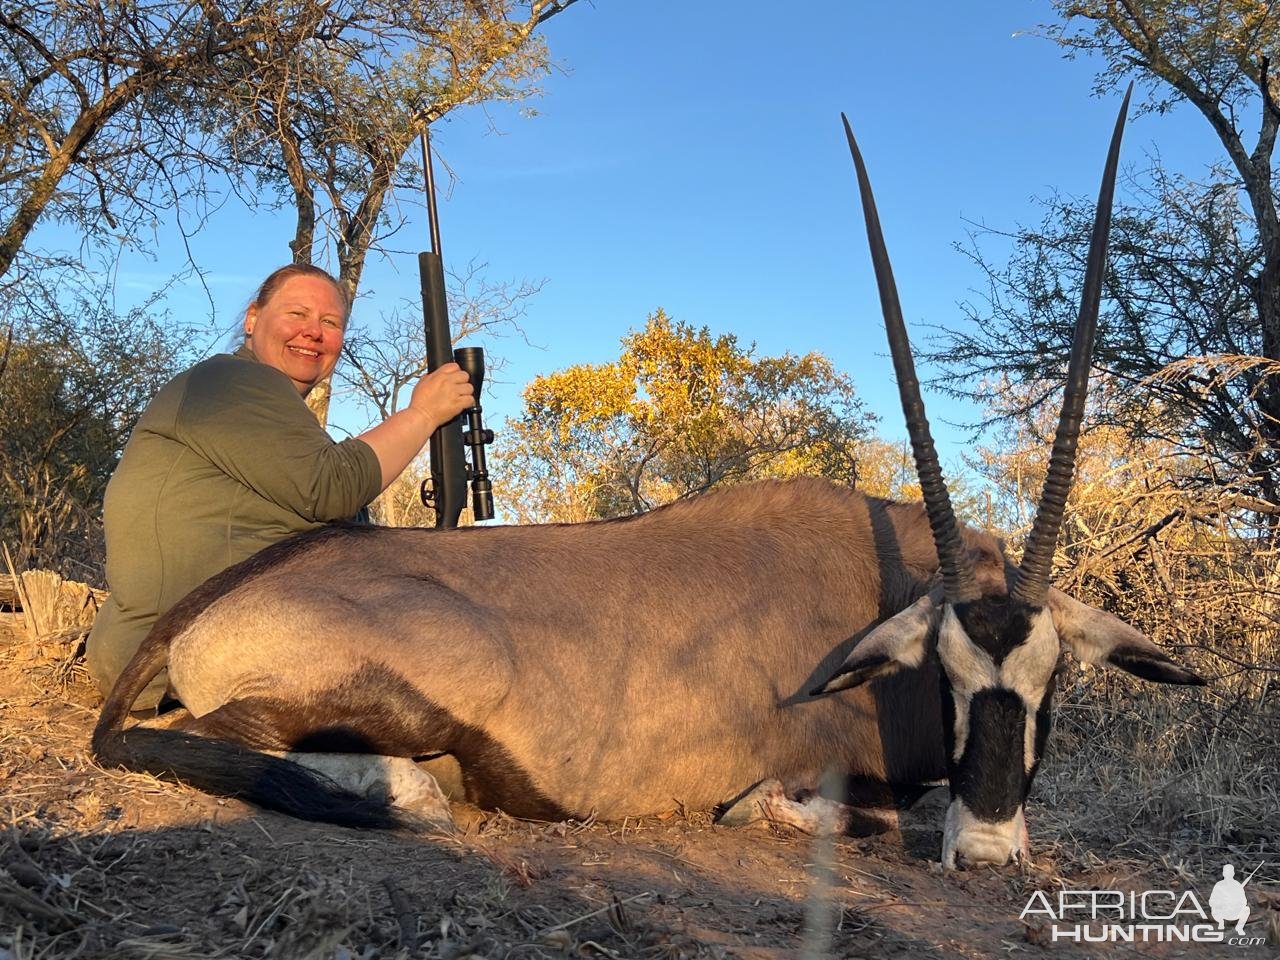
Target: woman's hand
442 394
437 398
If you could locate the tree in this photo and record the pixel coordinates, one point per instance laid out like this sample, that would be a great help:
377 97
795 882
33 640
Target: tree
1177 286
112 115
1195 264
87 92
329 128
888 470
1214 54
74 377
680 411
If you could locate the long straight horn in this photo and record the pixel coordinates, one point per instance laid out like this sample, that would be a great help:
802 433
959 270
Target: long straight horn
1032 582
958 581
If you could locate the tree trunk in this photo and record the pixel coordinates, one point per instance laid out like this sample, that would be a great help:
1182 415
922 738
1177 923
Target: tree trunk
42 191
353 249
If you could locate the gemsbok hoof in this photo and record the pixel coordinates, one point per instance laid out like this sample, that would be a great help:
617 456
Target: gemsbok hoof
410 793
767 801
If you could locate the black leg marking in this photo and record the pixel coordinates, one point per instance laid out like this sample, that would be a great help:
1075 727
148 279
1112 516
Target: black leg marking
377 711
863 791
240 721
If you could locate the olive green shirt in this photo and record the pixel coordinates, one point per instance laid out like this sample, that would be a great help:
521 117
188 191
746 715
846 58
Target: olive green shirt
227 459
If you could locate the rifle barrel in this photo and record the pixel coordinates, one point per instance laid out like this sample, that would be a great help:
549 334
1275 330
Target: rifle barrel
447 490
428 172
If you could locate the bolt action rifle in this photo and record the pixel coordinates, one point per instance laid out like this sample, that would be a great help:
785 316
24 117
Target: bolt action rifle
445 490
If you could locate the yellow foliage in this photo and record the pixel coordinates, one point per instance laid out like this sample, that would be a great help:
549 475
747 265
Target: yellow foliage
1136 505
680 410
1181 40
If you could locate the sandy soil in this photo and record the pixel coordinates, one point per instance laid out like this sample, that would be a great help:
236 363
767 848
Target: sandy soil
97 863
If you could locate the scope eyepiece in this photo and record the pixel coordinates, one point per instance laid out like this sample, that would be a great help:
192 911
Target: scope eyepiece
482 499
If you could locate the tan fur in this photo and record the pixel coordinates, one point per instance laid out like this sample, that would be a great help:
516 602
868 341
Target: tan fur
624 665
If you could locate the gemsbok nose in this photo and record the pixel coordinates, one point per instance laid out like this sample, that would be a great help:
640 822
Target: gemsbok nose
969 841
997 644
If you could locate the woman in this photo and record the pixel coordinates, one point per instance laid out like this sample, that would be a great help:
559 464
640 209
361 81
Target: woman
227 459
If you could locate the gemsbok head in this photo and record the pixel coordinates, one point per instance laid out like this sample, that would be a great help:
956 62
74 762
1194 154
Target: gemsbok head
999 639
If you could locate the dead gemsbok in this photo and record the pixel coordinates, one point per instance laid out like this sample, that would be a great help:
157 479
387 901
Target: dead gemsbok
619 666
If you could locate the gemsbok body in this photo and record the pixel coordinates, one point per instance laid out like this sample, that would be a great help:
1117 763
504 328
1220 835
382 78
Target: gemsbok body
767 632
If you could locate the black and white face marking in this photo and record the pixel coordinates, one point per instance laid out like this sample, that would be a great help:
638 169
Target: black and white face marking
998 658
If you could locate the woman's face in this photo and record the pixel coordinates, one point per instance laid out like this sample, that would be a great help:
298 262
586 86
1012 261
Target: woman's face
299 329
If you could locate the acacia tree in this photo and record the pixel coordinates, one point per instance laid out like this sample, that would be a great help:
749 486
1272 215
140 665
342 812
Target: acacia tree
1214 55
680 411
1178 286
87 97
1195 264
330 127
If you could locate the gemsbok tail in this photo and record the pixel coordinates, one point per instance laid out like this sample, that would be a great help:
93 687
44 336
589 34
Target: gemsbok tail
220 767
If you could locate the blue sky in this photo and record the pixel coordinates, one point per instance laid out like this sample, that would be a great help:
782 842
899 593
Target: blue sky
689 156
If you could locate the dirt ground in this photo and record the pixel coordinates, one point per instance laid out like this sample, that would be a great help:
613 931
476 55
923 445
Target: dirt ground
98 863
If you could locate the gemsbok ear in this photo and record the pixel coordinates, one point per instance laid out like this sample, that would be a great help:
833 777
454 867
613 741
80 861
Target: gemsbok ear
898 642
1099 638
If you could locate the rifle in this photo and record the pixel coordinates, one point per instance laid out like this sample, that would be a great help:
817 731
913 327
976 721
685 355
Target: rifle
445 489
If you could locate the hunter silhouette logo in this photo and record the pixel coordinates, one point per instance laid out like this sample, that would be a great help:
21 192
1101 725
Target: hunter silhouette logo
1166 916
1228 902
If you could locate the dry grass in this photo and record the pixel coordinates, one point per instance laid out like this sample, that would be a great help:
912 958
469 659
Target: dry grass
1156 535
1147 767
89 896
202 890
1142 783
101 863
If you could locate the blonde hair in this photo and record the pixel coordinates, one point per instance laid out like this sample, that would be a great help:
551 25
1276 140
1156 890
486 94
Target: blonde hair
278 277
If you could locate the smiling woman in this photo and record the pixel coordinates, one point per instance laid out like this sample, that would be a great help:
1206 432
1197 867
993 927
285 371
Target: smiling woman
296 323
227 459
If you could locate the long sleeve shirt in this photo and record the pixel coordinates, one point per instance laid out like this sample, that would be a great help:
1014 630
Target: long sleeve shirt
225 460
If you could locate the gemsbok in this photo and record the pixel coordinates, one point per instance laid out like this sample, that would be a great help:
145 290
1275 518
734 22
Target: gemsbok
759 634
